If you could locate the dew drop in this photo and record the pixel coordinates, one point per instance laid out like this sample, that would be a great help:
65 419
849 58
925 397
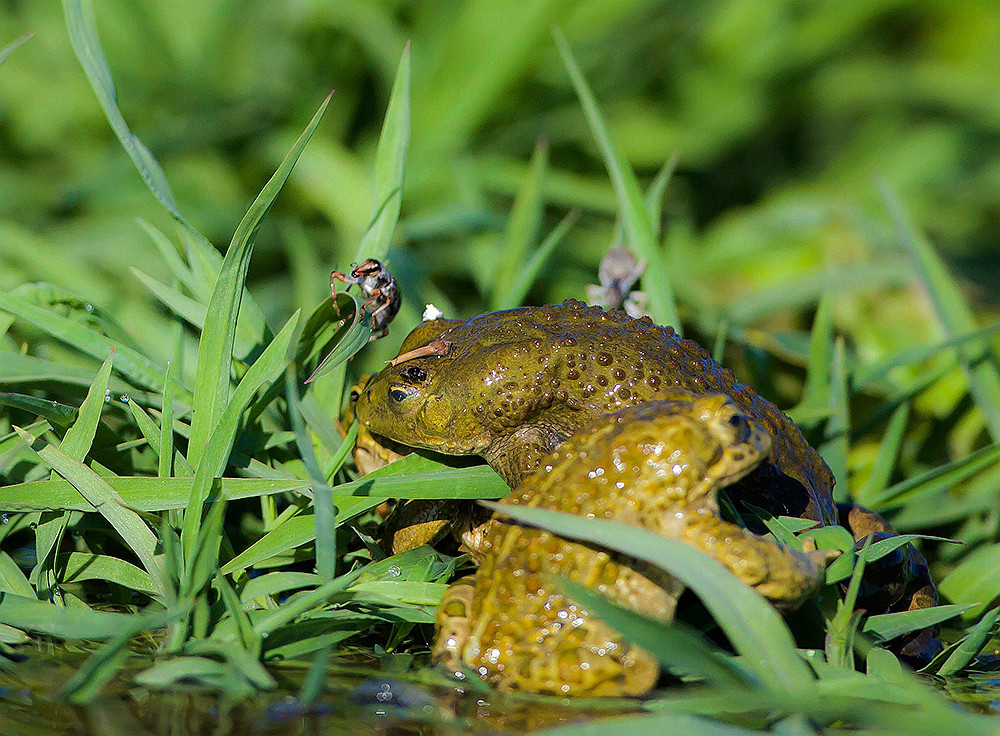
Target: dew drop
4 519
124 398
394 572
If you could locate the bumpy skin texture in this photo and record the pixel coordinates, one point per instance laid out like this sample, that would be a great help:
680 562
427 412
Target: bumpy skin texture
516 383
513 385
655 466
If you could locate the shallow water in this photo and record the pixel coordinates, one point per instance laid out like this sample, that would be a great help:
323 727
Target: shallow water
357 701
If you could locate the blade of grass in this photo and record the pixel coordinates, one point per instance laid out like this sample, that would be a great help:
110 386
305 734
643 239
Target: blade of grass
59 414
215 351
31 614
970 646
631 206
837 433
140 493
522 229
83 36
525 277
752 625
219 444
137 535
885 460
129 363
88 681
952 310
14 45
390 161
890 625
324 511
76 444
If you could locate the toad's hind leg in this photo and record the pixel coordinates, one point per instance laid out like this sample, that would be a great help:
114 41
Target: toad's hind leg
571 653
782 575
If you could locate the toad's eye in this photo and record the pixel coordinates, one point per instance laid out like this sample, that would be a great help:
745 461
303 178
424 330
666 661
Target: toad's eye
399 394
413 373
742 427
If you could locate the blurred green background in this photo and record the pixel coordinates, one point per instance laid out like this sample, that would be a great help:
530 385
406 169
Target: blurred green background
784 115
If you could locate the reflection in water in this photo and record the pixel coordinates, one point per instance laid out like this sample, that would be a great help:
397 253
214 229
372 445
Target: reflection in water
356 703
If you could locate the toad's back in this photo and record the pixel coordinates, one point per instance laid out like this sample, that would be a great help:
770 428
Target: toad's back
554 368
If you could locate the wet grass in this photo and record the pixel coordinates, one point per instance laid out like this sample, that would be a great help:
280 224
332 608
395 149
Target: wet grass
181 501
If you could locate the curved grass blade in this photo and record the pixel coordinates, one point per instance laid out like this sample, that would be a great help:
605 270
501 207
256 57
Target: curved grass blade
59 414
676 646
355 336
975 579
890 625
936 479
390 160
752 625
525 277
133 365
140 493
522 230
137 535
76 567
12 580
870 375
953 312
14 46
215 351
631 205
219 444
87 46
885 460
31 614
970 645
87 682
413 478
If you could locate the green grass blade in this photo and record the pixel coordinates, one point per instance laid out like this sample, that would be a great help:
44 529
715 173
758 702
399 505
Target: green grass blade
816 392
215 352
31 614
170 256
83 36
137 535
750 622
873 374
165 467
390 160
937 479
14 45
78 438
129 363
885 460
837 433
641 233
890 625
526 276
323 509
970 645
522 229
140 493
104 664
975 579
219 444
59 414
952 311
676 646
76 567
12 580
